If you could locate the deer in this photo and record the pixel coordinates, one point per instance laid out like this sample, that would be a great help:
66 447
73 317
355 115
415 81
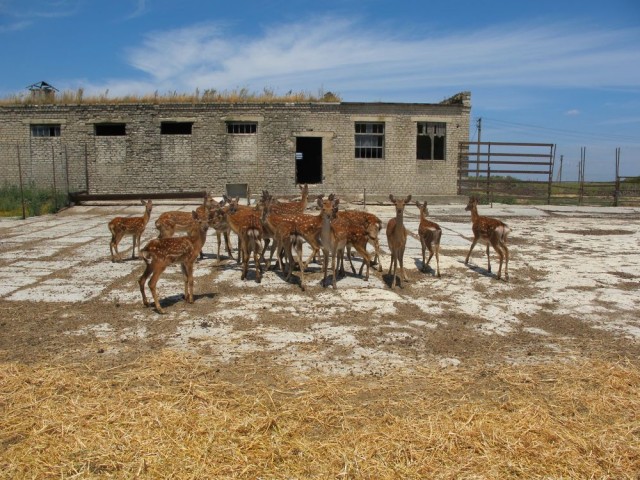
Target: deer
250 240
169 223
299 206
159 253
336 234
430 234
397 238
489 231
287 234
134 226
218 221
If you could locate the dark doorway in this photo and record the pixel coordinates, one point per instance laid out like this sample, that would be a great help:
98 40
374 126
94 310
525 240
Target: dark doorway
308 160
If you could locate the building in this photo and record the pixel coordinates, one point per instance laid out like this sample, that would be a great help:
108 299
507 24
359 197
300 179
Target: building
148 148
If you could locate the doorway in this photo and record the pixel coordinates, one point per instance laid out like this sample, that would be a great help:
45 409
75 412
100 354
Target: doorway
308 159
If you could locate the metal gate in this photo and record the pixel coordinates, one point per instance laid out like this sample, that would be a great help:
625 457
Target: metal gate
504 169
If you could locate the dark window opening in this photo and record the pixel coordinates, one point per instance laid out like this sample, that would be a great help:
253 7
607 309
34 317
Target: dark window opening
238 128
110 129
430 143
45 130
369 140
175 128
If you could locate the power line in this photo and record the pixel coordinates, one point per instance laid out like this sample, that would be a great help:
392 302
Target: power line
574 133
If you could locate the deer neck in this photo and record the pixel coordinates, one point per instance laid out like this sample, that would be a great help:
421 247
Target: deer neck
474 214
325 230
146 216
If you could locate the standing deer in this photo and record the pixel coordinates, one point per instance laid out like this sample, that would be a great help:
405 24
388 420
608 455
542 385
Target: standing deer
159 253
430 234
134 226
397 239
489 231
333 237
169 223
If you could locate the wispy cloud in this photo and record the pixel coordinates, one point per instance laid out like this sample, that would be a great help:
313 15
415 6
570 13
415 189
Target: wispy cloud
347 56
140 9
573 112
21 15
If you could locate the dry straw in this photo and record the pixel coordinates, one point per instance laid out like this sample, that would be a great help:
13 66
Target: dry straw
171 416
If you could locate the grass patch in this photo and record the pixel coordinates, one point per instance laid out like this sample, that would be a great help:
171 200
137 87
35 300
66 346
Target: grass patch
38 201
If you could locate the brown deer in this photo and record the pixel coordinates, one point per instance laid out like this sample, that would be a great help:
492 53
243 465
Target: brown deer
169 223
134 226
250 240
159 253
281 208
287 235
397 238
372 225
218 221
333 237
430 234
492 232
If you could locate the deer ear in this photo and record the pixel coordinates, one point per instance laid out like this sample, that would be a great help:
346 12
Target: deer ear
417 204
408 199
319 201
391 198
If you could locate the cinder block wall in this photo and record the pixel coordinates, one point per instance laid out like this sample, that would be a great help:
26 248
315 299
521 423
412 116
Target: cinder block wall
145 161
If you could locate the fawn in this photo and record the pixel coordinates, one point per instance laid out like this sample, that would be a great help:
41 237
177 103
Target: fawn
397 238
492 232
159 253
134 226
430 234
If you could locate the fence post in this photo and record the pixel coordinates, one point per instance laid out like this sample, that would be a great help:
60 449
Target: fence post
55 189
66 169
616 193
552 161
490 197
24 211
86 168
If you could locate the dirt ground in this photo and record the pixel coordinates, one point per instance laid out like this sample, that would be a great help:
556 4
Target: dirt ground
573 293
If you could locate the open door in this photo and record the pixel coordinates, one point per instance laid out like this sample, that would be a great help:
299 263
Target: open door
308 160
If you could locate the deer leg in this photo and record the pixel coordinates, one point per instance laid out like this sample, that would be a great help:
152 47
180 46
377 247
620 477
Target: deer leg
157 271
393 265
424 248
256 259
506 262
401 260
142 280
353 270
362 250
488 259
187 271
333 266
325 265
473 244
437 251
113 246
300 261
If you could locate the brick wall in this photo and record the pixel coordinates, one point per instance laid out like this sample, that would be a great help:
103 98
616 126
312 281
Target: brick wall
146 161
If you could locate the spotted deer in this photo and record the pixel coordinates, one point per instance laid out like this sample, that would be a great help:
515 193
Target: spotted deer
169 223
333 237
430 234
159 253
489 231
287 236
299 206
250 240
134 226
397 238
218 221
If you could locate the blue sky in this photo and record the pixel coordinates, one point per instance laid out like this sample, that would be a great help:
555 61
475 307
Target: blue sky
563 72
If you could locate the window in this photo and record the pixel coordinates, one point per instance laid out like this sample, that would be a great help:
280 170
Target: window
176 128
239 128
45 130
430 144
369 140
110 129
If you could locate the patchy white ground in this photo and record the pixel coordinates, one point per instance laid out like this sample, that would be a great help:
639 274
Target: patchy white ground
575 273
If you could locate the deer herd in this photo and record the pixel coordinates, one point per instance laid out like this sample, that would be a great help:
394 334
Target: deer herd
281 228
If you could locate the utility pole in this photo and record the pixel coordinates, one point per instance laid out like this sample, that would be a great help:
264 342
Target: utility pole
479 127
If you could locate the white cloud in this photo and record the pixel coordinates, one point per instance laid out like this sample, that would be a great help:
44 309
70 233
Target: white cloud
343 56
572 112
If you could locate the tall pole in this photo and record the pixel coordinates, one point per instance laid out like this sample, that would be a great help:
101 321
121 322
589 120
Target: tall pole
479 126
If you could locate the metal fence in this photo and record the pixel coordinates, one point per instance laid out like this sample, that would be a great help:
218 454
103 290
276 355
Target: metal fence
503 169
